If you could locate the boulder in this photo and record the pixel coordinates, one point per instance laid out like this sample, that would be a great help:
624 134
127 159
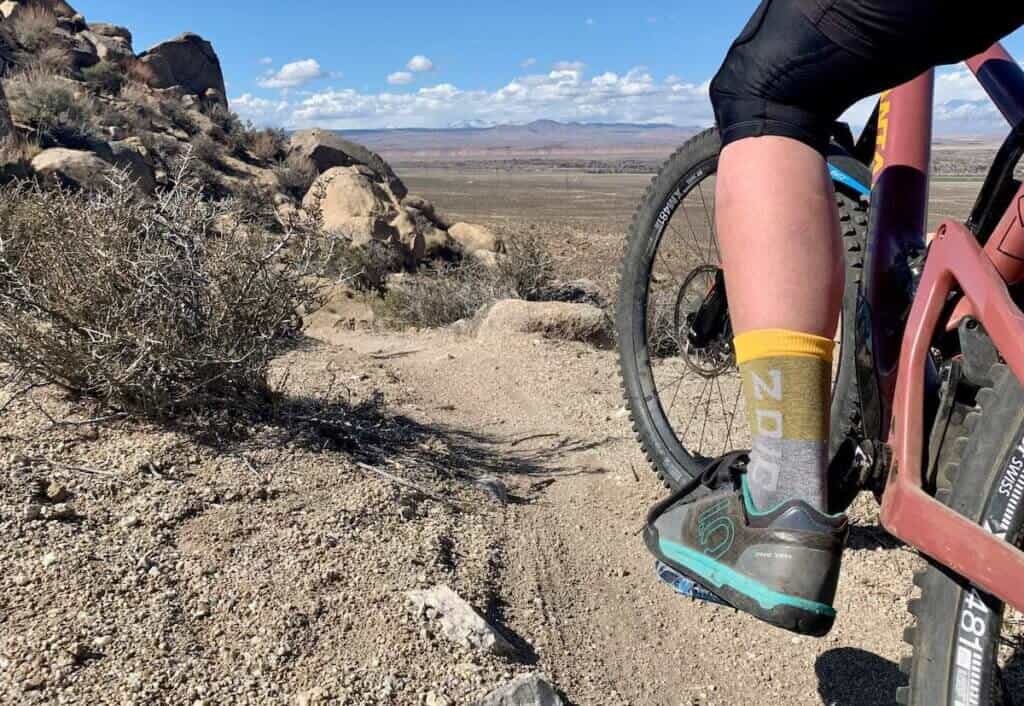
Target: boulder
428 210
327 150
526 690
72 167
187 61
410 236
83 53
459 622
112 43
353 205
128 154
473 237
556 320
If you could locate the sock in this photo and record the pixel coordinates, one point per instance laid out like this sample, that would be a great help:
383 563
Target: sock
787 380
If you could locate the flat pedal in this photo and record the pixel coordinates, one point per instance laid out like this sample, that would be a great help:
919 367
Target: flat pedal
685 586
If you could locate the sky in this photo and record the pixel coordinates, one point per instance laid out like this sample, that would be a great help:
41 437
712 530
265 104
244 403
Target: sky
365 65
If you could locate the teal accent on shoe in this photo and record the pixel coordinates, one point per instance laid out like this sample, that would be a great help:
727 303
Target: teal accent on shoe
721 575
748 503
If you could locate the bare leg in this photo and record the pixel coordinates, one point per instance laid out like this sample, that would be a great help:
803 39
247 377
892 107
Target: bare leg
779 233
784 270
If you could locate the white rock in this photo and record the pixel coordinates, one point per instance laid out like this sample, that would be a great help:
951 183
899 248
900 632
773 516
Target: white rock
528 690
459 622
49 559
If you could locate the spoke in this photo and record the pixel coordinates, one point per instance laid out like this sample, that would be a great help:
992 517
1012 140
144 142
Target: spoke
679 386
732 419
707 413
702 256
694 239
707 384
665 263
711 234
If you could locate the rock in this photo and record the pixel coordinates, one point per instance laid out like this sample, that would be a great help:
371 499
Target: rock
437 243
473 238
327 150
73 167
459 622
494 487
578 291
112 43
353 205
557 320
428 210
57 493
312 697
61 511
21 580
8 8
32 511
528 690
187 61
129 521
486 258
126 155
49 559
410 236
435 699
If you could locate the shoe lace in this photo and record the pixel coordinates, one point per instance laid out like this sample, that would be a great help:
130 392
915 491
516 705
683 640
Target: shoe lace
717 473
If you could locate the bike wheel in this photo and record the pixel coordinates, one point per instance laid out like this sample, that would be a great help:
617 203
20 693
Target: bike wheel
682 391
967 647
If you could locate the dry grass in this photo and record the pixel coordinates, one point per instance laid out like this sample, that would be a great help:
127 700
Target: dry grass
440 296
151 306
268 145
52 107
33 27
296 175
529 268
53 59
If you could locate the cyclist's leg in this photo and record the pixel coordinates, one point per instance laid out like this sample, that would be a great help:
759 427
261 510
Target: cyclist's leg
796 67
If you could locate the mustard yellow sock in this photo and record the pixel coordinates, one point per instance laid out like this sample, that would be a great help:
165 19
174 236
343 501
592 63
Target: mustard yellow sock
787 378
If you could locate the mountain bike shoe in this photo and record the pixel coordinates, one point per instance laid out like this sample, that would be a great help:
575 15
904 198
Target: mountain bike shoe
781 566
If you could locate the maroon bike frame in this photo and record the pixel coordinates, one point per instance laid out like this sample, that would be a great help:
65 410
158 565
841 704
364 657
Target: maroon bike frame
956 264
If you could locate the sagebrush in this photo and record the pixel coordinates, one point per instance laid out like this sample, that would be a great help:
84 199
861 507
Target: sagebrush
52 107
154 306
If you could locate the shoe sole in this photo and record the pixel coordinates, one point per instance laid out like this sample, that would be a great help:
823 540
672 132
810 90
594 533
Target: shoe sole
715 578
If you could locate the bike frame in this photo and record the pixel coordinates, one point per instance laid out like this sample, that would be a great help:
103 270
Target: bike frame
897 343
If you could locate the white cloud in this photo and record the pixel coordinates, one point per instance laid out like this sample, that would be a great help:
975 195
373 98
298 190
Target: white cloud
400 78
293 75
266 61
420 64
564 93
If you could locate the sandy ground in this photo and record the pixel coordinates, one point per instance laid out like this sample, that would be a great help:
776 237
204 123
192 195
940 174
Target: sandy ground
146 565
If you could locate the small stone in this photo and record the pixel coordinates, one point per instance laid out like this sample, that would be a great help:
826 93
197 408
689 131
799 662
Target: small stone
32 511
61 511
406 513
493 487
435 699
21 580
57 493
129 521
102 641
49 559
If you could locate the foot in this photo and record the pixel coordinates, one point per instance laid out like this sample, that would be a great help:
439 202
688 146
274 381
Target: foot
779 565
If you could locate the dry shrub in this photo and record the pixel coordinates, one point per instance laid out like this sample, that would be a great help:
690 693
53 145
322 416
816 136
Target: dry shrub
441 295
179 116
253 204
104 77
53 59
268 145
529 268
206 150
148 305
52 107
296 175
33 27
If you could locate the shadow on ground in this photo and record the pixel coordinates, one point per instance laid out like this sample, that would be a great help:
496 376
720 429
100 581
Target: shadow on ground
848 676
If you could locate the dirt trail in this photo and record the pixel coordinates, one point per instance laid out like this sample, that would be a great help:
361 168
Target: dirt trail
576 582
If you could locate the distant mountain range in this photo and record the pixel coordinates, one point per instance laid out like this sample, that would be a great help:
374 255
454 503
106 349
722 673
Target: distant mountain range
536 139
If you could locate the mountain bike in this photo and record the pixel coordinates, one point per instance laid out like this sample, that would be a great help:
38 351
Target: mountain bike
928 405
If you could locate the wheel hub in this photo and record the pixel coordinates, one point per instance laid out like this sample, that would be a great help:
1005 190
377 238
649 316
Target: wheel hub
702 322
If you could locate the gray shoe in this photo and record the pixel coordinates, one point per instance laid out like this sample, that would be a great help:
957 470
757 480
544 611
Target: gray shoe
780 565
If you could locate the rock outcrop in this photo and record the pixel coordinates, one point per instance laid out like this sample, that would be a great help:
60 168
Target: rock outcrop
71 167
556 320
473 238
187 62
327 150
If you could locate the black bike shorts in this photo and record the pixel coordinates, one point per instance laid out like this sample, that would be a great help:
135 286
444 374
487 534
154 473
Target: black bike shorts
799 65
